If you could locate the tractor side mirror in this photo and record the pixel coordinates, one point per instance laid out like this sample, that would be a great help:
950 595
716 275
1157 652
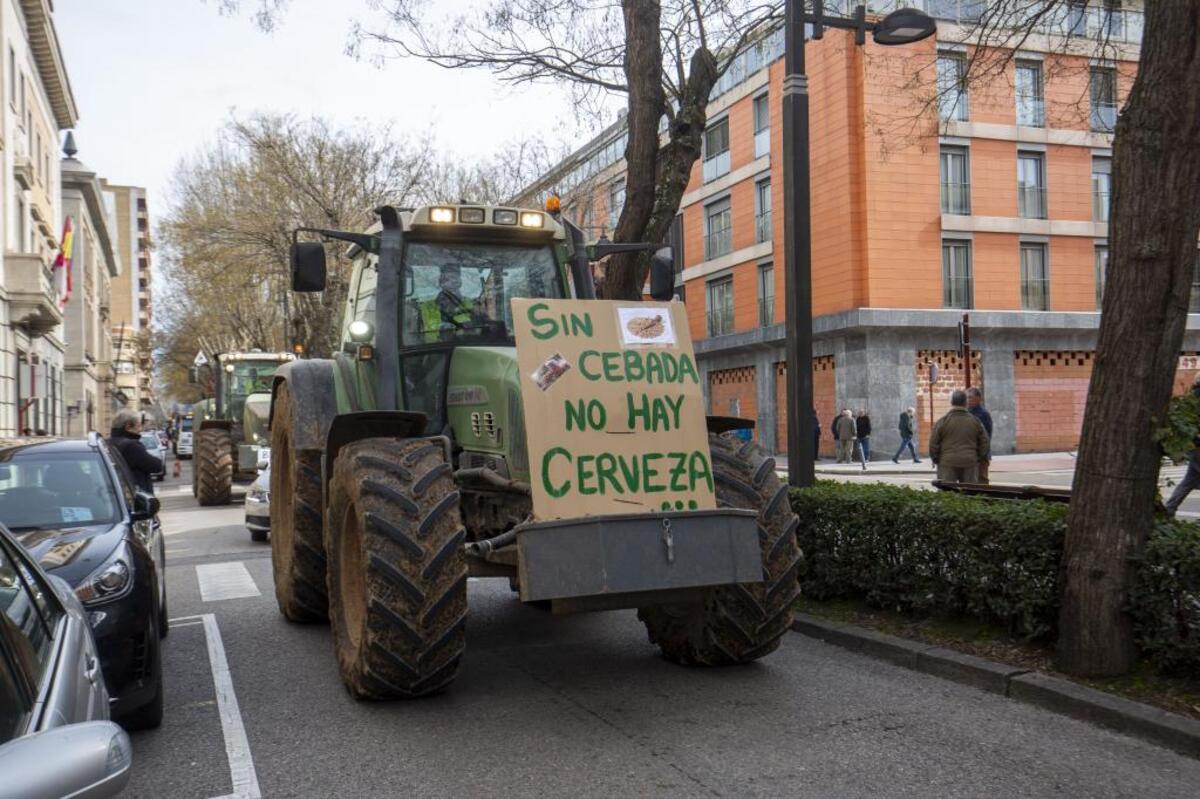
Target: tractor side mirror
662 274
192 377
308 266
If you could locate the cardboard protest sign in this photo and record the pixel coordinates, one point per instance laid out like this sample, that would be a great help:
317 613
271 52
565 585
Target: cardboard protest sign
614 413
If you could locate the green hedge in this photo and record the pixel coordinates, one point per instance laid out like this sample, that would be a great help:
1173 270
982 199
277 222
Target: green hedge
928 552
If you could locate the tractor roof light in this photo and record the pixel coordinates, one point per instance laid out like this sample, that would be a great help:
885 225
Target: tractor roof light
441 215
229 368
553 204
503 216
473 216
531 219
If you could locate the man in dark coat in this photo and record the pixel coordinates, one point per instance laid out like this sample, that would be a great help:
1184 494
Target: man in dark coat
908 429
126 438
975 406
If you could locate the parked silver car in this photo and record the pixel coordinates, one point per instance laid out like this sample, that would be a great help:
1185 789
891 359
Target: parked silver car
55 736
258 505
154 445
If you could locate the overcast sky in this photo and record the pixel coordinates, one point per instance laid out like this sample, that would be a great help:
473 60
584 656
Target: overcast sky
154 79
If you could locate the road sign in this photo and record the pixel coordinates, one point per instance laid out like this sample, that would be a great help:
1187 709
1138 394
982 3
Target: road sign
200 360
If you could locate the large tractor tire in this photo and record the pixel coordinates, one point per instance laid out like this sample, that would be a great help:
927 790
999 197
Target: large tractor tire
738 623
214 467
397 574
297 551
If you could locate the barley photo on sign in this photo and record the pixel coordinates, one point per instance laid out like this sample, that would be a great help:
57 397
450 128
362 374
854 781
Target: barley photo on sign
614 411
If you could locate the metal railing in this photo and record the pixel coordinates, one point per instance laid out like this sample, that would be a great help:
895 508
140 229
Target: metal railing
956 292
766 310
1102 24
716 166
953 106
762 227
720 321
1101 203
762 142
1104 117
1031 202
1031 112
1035 295
719 242
956 198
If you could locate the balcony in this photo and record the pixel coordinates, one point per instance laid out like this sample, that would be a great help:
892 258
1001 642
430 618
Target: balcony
1112 25
716 166
718 243
1101 203
762 142
1031 112
1031 202
1104 117
766 311
34 301
23 171
956 198
720 321
956 292
762 227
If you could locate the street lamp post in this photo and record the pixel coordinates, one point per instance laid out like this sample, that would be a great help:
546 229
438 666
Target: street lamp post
902 26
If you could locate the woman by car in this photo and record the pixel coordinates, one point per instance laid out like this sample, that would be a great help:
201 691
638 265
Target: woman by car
126 438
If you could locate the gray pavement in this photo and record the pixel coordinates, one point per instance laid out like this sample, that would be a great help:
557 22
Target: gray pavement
548 706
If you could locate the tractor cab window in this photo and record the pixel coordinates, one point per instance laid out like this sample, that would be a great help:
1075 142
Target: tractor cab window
460 292
244 380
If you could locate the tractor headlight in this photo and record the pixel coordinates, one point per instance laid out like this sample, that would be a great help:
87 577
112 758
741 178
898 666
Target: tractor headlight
531 219
502 217
441 215
470 215
111 580
258 495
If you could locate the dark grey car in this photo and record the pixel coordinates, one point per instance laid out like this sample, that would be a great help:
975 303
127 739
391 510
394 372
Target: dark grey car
55 737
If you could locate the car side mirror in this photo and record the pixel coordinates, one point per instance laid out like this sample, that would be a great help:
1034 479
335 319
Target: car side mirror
308 266
89 759
145 506
662 274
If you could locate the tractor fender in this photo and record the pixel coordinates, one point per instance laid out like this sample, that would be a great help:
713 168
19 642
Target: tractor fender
216 424
313 395
347 428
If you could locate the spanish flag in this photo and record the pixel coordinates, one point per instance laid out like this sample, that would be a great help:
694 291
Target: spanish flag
62 264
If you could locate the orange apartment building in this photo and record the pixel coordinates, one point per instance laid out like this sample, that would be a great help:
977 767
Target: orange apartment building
926 202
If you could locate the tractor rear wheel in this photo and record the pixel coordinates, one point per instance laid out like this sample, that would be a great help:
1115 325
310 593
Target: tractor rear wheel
738 623
297 551
214 466
397 573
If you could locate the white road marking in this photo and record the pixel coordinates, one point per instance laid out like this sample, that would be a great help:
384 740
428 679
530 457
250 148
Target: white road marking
184 489
237 747
225 581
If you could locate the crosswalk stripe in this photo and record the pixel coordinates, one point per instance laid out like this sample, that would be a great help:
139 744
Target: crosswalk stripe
225 581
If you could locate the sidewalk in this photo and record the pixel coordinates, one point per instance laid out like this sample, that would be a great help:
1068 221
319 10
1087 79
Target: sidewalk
1025 462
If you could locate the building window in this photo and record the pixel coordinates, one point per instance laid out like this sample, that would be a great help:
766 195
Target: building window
616 201
952 87
762 215
1103 91
766 295
720 307
718 229
762 126
716 150
1101 188
22 236
956 180
1031 105
956 274
1031 185
12 77
1035 280
1101 272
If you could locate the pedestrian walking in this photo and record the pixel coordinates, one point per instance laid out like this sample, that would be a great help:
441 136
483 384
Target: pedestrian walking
126 438
862 429
1191 478
844 430
908 431
816 427
958 443
975 406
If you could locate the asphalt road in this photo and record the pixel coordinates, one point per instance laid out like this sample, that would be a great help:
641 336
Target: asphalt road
578 706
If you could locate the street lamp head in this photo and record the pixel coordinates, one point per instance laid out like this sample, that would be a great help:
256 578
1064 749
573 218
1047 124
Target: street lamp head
904 26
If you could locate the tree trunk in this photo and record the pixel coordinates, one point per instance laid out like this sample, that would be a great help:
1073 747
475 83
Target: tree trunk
1152 240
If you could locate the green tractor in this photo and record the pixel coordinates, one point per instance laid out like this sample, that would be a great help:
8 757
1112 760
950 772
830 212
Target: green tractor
401 465
230 427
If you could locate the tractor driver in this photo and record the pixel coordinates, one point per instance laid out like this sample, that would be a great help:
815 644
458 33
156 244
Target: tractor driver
446 311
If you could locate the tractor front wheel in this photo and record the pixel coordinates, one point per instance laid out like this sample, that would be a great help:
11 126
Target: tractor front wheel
738 623
397 574
214 467
297 551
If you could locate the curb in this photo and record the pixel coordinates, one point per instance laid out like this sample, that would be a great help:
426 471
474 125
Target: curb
1057 695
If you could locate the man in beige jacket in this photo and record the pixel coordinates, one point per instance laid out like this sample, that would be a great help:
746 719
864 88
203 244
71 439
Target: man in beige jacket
958 443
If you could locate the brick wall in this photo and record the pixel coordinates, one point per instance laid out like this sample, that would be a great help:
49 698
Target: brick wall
950 377
732 392
1051 392
824 400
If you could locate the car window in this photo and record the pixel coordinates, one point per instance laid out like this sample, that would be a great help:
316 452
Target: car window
14 702
126 481
52 490
150 440
24 636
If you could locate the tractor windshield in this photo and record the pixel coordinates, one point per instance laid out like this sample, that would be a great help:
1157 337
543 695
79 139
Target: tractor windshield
459 292
247 377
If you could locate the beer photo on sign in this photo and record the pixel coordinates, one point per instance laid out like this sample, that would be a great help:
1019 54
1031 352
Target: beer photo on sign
551 370
642 325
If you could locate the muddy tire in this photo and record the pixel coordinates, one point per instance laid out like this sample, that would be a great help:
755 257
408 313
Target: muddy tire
738 623
297 550
397 574
214 467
